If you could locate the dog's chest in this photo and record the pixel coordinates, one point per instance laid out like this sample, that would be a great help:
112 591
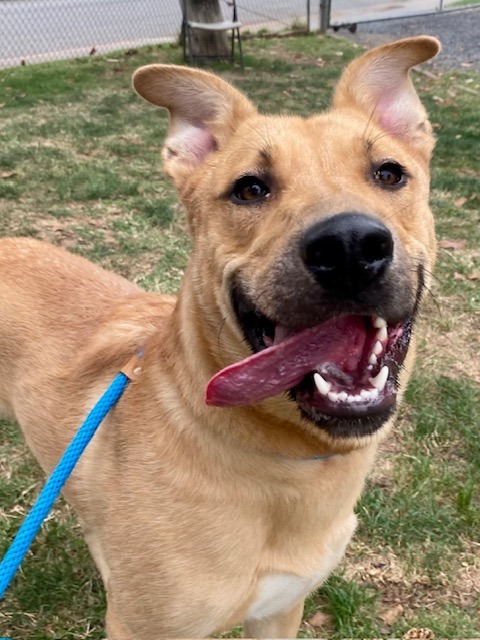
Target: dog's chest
280 591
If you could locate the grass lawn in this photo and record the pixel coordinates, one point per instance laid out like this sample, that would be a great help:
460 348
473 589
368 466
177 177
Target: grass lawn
79 166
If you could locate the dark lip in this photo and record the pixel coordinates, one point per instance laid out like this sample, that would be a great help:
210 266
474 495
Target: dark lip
348 427
340 420
254 324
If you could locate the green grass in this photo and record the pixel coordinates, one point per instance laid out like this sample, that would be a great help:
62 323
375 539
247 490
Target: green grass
463 3
79 166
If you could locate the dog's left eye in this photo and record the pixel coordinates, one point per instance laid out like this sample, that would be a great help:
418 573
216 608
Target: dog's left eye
249 190
390 174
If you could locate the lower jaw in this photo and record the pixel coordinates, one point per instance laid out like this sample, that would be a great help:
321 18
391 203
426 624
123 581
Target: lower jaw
348 428
343 421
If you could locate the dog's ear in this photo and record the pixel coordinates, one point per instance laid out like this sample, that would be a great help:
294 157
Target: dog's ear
204 112
379 84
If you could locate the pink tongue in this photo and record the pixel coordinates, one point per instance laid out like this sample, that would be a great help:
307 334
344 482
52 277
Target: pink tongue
282 366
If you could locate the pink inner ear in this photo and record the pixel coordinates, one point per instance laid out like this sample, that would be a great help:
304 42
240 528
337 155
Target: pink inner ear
191 143
396 114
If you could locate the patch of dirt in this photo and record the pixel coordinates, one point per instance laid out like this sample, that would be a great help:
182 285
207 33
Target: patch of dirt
387 572
64 231
404 589
467 580
451 339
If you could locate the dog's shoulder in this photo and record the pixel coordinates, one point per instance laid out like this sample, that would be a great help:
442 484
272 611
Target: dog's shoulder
125 332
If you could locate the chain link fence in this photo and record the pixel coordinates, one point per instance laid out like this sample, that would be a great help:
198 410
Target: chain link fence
351 14
39 30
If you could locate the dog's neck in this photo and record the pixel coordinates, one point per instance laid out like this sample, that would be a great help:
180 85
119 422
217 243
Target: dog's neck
204 353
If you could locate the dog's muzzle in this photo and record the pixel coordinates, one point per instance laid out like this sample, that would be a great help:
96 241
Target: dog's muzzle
342 369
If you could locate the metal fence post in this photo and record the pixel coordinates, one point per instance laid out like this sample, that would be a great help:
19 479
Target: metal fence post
325 9
308 28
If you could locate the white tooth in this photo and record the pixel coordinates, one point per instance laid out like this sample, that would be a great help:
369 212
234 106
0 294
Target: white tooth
373 359
380 380
365 394
382 334
350 399
333 396
322 385
358 398
377 348
374 393
342 396
379 323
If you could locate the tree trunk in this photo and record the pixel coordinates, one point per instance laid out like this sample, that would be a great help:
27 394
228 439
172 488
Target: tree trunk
207 43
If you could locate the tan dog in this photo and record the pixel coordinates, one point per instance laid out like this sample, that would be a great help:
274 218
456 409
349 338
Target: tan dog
221 488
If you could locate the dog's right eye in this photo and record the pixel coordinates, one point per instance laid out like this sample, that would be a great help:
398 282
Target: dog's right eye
249 190
390 175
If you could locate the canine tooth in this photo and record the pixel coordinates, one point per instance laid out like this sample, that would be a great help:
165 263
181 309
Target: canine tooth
380 380
342 396
333 396
322 385
373 359
379 323
382 334
377 348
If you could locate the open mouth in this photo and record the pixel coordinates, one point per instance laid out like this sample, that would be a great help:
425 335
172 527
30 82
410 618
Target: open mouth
343 373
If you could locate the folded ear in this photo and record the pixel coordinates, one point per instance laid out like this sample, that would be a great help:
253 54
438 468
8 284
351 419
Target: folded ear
379 84
204 112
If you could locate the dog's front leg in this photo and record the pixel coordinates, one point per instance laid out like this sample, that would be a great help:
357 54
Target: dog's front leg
281 625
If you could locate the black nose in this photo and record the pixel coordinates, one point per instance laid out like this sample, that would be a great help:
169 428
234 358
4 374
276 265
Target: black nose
347 252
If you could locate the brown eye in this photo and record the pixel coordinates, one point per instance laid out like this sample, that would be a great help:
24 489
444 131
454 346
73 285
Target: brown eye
390 174
249 190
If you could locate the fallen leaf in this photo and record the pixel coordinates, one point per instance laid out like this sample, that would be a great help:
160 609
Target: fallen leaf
419 634
460 202
453 244
471 276
319 619
8 174
391 615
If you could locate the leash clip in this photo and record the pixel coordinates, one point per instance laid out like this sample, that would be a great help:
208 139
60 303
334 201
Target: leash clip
132 369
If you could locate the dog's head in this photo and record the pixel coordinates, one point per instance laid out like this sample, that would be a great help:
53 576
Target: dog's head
313 239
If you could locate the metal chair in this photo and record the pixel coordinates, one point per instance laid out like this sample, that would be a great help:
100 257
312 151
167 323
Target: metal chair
232 25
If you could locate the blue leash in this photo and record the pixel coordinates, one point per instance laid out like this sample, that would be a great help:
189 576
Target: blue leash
32 523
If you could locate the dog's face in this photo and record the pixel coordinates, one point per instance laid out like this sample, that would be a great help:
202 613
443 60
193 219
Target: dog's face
313 240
